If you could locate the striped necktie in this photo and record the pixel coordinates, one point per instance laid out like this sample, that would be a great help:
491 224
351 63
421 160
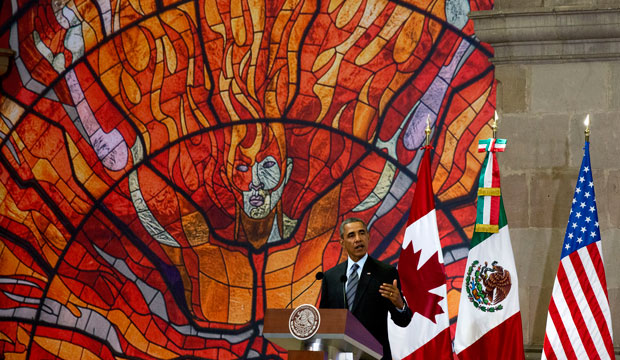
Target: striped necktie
352 286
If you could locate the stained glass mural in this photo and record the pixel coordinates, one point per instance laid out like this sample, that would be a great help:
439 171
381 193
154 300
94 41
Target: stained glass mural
171 169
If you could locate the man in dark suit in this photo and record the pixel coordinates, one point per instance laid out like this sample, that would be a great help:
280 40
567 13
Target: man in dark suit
367 287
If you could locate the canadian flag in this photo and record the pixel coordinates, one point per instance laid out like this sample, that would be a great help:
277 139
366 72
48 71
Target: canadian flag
423 280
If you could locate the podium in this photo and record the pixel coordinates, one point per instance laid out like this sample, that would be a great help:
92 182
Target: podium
339 332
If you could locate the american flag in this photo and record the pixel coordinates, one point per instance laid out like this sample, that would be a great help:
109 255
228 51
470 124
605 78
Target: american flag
579 320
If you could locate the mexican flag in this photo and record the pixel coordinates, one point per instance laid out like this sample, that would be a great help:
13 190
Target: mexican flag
423 280
489 320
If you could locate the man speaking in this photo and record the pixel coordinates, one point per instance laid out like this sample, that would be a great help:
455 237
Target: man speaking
367 287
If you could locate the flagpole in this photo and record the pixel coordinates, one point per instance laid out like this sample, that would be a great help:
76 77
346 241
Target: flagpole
489 329
427 131
580 318
494 126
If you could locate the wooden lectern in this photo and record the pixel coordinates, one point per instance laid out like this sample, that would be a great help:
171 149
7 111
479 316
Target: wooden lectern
339 332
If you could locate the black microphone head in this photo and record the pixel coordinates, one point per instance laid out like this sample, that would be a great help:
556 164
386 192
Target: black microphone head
343 278
319 275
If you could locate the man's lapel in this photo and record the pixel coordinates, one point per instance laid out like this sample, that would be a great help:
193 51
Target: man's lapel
362 286
340 293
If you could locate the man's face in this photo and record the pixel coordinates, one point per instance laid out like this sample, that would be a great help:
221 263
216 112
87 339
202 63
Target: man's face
355 240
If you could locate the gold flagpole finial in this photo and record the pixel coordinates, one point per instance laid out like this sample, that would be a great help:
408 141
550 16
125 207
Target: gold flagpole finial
586 122
494 125
427 130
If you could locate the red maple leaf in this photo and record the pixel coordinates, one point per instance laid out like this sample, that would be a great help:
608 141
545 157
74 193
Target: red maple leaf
417 283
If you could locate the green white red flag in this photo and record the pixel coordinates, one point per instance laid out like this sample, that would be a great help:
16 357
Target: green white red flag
489 320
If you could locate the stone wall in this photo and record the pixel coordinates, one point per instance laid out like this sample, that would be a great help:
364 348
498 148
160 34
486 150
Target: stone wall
554 65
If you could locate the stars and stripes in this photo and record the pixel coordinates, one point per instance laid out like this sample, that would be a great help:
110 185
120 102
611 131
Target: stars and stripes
579 319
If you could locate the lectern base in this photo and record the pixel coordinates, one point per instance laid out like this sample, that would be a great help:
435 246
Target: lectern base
318 355
306 355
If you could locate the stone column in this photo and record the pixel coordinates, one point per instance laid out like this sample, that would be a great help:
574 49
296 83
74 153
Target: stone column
555 61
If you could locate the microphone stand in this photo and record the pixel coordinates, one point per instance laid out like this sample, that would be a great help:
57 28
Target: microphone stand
319 275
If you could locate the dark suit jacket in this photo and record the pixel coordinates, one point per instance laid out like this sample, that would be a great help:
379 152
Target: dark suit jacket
370 307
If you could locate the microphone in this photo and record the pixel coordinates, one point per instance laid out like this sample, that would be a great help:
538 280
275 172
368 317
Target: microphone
319 276
343 280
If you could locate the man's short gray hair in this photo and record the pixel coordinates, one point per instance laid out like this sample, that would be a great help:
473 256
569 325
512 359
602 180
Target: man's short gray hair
349 221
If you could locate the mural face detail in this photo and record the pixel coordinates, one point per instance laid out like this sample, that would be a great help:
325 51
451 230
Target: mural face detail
259 169
169 170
